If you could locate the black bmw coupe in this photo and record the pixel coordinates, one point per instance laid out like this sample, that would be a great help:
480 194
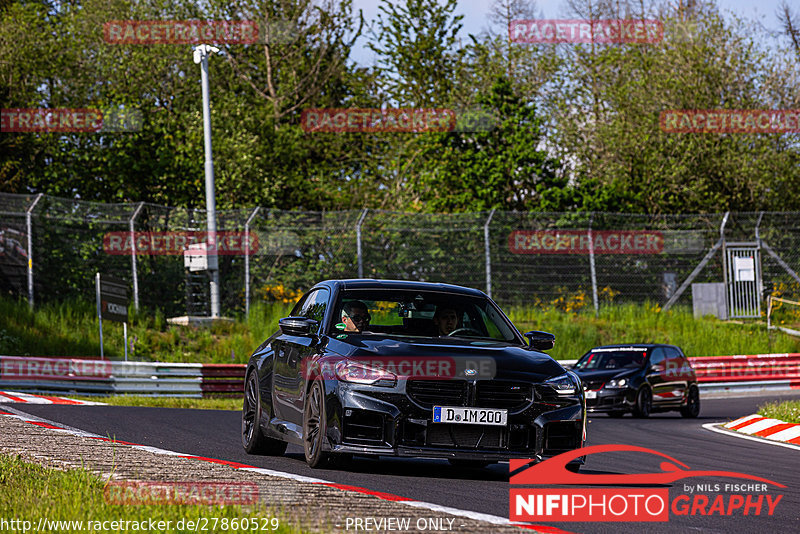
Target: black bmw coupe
395 368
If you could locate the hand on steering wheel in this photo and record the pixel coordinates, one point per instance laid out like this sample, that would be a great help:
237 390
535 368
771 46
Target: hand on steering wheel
460 330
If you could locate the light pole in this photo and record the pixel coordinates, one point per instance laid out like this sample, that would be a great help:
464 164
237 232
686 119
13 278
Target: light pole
201 54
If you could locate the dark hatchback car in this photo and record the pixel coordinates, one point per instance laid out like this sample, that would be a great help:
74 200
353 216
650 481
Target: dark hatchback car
641 379
432 370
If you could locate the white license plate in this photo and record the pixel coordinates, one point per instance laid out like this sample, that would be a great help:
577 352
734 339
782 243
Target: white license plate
470 416
591 394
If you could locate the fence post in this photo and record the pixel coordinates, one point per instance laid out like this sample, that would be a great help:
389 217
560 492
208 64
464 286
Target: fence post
358 243
29 230
134 270
700 266
488 253
247 261
592 268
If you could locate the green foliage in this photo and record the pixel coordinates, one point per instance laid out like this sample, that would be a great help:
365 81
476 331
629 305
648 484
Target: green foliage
32 493
70 329
416 42
632 323
787 411
575 126
501 167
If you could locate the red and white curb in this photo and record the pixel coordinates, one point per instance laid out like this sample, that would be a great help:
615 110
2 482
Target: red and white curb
466 514
767 428
30 398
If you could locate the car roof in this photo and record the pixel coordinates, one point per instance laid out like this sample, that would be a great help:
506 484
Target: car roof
632 346
367 283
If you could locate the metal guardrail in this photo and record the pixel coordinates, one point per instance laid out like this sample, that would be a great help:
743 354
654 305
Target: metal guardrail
95 377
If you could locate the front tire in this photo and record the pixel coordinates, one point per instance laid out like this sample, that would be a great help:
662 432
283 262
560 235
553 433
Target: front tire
692 408
315 426
644 403
253 440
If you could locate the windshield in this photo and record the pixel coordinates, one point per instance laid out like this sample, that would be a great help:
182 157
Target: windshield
612 359
428 314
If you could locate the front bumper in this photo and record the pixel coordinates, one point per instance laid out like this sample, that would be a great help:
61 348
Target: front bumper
611 400
375 421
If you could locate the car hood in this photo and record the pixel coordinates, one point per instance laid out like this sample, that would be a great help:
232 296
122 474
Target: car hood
604 374
511 362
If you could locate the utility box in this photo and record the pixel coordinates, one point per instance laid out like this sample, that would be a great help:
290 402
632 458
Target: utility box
709 299
197 258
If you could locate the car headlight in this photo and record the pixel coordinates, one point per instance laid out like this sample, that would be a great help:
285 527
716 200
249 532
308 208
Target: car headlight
617 383
563 384
359 373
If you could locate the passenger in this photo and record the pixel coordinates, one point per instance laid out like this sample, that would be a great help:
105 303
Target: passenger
446 320
355 316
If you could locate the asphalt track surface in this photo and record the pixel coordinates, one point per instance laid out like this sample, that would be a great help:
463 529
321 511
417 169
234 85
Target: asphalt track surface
215 434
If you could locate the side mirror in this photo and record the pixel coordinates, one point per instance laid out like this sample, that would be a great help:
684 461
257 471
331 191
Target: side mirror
541 340
297 326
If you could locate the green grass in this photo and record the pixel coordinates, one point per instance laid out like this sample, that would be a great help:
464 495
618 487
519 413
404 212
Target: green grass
631 323
788 411
168 402
70 329
29 492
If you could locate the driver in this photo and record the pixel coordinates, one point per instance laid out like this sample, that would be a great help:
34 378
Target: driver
355 316
446 320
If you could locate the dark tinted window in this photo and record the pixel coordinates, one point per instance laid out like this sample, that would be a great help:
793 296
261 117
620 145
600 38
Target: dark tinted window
314 306
416 313
612 359
657 356
673 353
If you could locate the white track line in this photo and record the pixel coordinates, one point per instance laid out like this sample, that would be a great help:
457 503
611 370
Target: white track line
714 427
466 514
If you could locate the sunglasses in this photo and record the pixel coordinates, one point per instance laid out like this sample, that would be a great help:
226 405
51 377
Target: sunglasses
359 318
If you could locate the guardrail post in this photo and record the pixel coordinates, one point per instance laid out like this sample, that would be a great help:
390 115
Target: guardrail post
487 249
358 243
247 261
29 230
134 270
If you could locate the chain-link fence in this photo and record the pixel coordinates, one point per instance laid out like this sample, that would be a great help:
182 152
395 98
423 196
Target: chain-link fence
51 248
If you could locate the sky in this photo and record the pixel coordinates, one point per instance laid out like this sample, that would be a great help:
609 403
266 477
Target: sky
475 16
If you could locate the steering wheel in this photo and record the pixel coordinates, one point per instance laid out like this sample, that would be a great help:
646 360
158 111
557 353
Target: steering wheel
460 330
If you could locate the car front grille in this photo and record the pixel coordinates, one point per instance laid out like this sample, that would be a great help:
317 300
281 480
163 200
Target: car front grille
592 384
465 436
561 436
429 393
509 395
513 396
